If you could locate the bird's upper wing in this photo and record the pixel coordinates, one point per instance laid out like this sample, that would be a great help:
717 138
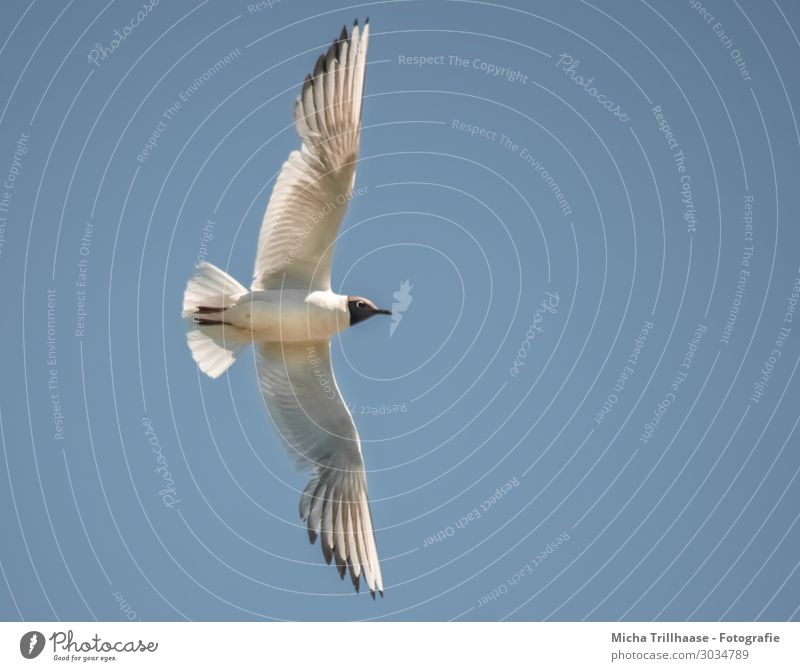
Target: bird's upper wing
311 195
313 421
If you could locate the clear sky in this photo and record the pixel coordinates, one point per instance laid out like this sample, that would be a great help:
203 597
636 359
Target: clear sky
589 407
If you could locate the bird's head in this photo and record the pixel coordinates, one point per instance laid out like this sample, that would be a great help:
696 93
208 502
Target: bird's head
362 308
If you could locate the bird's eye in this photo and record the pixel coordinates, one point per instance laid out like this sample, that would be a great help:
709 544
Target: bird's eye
360 305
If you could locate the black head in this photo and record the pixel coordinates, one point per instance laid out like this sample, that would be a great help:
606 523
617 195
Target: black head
363 308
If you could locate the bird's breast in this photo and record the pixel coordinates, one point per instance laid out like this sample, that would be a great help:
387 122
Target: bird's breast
290 315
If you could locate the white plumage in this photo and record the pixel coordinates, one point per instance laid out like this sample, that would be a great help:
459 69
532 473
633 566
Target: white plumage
290 312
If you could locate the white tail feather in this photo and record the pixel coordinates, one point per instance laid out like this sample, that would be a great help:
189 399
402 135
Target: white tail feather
214 347
212 288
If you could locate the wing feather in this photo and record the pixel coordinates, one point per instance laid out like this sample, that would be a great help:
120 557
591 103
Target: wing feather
315 516
313 189
318 430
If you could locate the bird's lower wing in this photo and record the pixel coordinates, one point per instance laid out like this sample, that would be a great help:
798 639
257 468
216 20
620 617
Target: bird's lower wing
307 409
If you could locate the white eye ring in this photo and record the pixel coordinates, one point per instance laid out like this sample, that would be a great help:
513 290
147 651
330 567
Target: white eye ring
360 304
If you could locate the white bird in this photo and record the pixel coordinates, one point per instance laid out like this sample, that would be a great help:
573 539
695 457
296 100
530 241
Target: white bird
290 312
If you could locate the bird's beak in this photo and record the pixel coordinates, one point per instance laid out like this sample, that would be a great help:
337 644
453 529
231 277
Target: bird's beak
383 312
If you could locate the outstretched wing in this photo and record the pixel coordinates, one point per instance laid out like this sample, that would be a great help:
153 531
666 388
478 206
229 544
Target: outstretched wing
313 189
307 409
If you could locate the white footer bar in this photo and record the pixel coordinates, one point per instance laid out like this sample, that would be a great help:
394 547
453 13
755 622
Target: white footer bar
399 645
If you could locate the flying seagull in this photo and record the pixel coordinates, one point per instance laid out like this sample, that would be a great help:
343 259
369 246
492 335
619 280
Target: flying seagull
290 312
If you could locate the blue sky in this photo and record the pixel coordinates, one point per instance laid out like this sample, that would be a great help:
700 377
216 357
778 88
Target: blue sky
589 407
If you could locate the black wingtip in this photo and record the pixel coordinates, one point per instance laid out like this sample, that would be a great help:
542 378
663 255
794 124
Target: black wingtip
338 42
366 22
319 66
372 594
355 23
355 579
312 536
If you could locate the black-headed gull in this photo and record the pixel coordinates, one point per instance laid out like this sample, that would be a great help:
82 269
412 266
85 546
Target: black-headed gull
290 312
